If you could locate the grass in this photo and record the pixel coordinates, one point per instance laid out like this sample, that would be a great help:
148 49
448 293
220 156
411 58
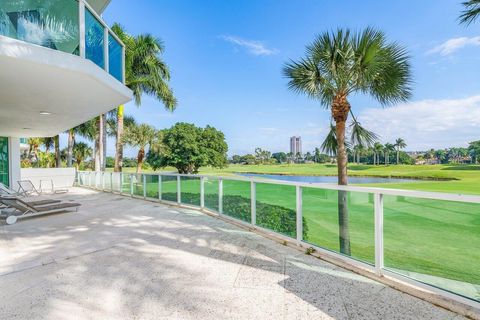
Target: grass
438 238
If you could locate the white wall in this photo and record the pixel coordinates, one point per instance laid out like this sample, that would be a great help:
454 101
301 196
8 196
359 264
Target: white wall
62 177
14 161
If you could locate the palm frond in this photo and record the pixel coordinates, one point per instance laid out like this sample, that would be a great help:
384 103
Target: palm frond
471 11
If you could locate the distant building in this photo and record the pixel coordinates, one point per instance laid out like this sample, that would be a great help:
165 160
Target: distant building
295 145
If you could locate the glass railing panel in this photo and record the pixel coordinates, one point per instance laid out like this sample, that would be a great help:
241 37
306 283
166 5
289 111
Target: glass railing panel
151 182
137 185
321 225
81 178
53 24
211 193
115 58
169 188
126 178
236 199
107 180
116 183
190 190
94 39
276 208
435 242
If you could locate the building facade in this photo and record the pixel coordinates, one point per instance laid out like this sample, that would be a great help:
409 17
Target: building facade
295 145
60 65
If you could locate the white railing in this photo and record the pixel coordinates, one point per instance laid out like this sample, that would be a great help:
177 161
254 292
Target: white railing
159 186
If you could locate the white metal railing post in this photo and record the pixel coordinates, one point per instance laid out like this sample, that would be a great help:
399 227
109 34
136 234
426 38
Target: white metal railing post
81 27
111 181
179 190
202 192
379 251
253 202
103 181
159 187
131 185
144 179
299 214
220 195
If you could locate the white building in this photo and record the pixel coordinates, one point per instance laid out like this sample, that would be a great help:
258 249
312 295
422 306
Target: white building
295 145
60 65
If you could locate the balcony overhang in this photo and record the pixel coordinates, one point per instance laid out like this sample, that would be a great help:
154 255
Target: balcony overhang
98 5
36 80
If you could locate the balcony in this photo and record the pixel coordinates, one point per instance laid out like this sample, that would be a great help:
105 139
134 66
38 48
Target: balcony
57 57
127 258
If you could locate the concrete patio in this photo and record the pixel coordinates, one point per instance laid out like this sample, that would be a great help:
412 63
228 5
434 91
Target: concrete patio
123 258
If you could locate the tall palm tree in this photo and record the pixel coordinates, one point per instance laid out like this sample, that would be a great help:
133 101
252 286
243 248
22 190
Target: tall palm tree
387 148
81 151
378 149
70 144
56 142
399 144
145 73
33 145
343 63
140 136
471 11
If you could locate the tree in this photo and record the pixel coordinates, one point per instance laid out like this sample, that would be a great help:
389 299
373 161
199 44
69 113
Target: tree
33 145
187 148
387 148
58 162
81 151
377 149
399 144
471 11
139 136
145 73
474 150
344 63
71 142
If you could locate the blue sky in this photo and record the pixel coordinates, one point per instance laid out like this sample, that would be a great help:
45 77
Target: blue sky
226 61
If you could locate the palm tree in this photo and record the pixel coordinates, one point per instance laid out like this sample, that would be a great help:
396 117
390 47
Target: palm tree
33 145
388 147
70 144
378 149
471 11
342 63
81 151
399 144
145 73
58 162
139 136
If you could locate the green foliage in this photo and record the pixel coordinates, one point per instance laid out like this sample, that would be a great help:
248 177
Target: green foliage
187 148
81 151
470 12
474 150
281 157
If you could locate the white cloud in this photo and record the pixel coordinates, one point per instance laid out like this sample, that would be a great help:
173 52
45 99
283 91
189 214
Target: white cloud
451 45
428 123
256 48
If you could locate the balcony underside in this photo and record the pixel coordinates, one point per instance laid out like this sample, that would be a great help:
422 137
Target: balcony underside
35 79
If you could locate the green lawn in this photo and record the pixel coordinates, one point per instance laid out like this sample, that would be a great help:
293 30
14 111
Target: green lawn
438 238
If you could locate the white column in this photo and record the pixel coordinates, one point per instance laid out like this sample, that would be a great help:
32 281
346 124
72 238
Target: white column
299 214
159 187
378 208
14 171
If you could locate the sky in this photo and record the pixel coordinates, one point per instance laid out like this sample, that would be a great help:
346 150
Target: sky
226 60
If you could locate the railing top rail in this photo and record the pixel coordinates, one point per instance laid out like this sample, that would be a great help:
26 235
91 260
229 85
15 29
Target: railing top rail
330 186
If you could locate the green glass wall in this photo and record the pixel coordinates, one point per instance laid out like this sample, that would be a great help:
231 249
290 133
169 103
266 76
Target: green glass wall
4 172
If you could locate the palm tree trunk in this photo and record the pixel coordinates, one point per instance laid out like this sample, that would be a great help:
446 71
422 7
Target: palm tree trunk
97 146
118 143
104 143
340 109
140 157
58 162
101 146
398 156
71 142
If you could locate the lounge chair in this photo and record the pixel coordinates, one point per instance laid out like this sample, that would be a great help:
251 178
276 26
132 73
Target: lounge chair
47 186
26 188
25 209
7 191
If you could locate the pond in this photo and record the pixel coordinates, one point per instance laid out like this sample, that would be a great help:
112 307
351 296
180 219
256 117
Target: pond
326 179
